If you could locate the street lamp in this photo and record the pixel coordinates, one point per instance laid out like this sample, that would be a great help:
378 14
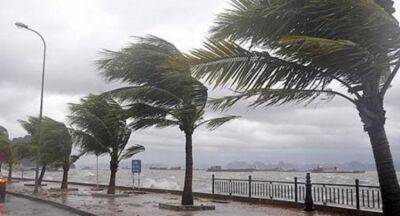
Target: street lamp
24 26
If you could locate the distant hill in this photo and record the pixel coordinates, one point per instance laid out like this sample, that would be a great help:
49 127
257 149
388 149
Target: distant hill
350 166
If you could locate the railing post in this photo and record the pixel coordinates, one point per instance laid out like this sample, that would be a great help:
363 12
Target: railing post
213 184
250 186
230 187
358 194
296 198
309 203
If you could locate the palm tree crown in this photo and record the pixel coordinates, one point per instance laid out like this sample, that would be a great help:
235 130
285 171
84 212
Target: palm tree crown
100 127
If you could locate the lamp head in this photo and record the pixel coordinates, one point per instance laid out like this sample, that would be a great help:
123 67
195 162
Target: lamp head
21 25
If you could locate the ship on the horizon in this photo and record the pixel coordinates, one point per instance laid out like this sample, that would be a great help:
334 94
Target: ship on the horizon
165 168
219 169
334 170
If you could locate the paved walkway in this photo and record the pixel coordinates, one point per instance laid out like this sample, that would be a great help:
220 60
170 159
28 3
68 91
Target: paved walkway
147 204
15 206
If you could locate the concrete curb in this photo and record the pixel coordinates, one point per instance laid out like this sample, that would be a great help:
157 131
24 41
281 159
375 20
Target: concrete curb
52 203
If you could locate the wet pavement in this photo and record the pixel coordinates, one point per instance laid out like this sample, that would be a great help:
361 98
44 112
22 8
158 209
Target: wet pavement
147 204
15 206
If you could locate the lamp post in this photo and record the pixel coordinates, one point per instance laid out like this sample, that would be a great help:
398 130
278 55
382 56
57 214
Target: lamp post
24 26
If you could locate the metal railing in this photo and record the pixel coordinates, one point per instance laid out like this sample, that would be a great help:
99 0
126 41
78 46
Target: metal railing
339 195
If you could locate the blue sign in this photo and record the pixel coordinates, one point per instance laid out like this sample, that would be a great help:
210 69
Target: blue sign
136 166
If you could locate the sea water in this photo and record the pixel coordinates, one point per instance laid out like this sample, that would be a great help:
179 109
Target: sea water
173 179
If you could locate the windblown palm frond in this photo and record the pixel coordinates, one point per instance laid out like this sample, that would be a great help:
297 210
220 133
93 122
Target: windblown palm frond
266 97
307 45
143 123
131 151
224 62
264 23
214 123
163 92
99 125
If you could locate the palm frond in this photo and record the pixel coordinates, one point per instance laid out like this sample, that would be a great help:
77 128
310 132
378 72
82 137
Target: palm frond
356 63
131 151
146 94
144 61
143 123
143 110
265 97
263 23
224 62
214 123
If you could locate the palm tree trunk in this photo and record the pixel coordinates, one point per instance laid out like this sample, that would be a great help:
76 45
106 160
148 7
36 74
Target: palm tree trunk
1 164
373 116
113 169
64 183
10 167
386 172
187 196
42 172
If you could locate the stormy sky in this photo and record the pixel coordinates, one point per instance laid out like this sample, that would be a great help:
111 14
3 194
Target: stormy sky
77 30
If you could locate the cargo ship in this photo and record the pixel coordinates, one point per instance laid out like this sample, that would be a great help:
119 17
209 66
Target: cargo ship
219 169
334 170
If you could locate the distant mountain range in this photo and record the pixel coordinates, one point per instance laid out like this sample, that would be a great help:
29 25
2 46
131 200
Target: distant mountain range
349 166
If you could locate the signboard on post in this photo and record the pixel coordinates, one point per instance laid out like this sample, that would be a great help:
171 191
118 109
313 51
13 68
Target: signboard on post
136 166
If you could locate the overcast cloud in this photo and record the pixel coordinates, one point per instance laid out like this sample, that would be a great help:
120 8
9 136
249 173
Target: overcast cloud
77 30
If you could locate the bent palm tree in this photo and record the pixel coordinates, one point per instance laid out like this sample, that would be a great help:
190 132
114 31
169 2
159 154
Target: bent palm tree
300 50
101 128
9 151
49 148
57 134
162 92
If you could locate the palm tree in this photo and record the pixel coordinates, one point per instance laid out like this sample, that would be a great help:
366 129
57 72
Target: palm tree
57 135
101 128
50 147
161 92
299 50
12 150
9 150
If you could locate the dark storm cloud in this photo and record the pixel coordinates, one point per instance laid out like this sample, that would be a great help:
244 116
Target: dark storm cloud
77 30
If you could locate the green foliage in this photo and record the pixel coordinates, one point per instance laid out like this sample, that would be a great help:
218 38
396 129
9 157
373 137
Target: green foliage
56 144
388 5
161 91
100 127
297 49
14 152
131 151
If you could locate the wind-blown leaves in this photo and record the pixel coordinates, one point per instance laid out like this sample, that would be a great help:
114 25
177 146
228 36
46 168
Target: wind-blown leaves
264 23
131 151
162 91
266 97
143 123
214 123
302 45
100 126
224 62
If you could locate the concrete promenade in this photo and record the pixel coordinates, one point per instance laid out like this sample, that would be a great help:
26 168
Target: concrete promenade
15 206
147 204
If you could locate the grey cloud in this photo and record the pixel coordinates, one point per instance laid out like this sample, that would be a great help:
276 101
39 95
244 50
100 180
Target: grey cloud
77 30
